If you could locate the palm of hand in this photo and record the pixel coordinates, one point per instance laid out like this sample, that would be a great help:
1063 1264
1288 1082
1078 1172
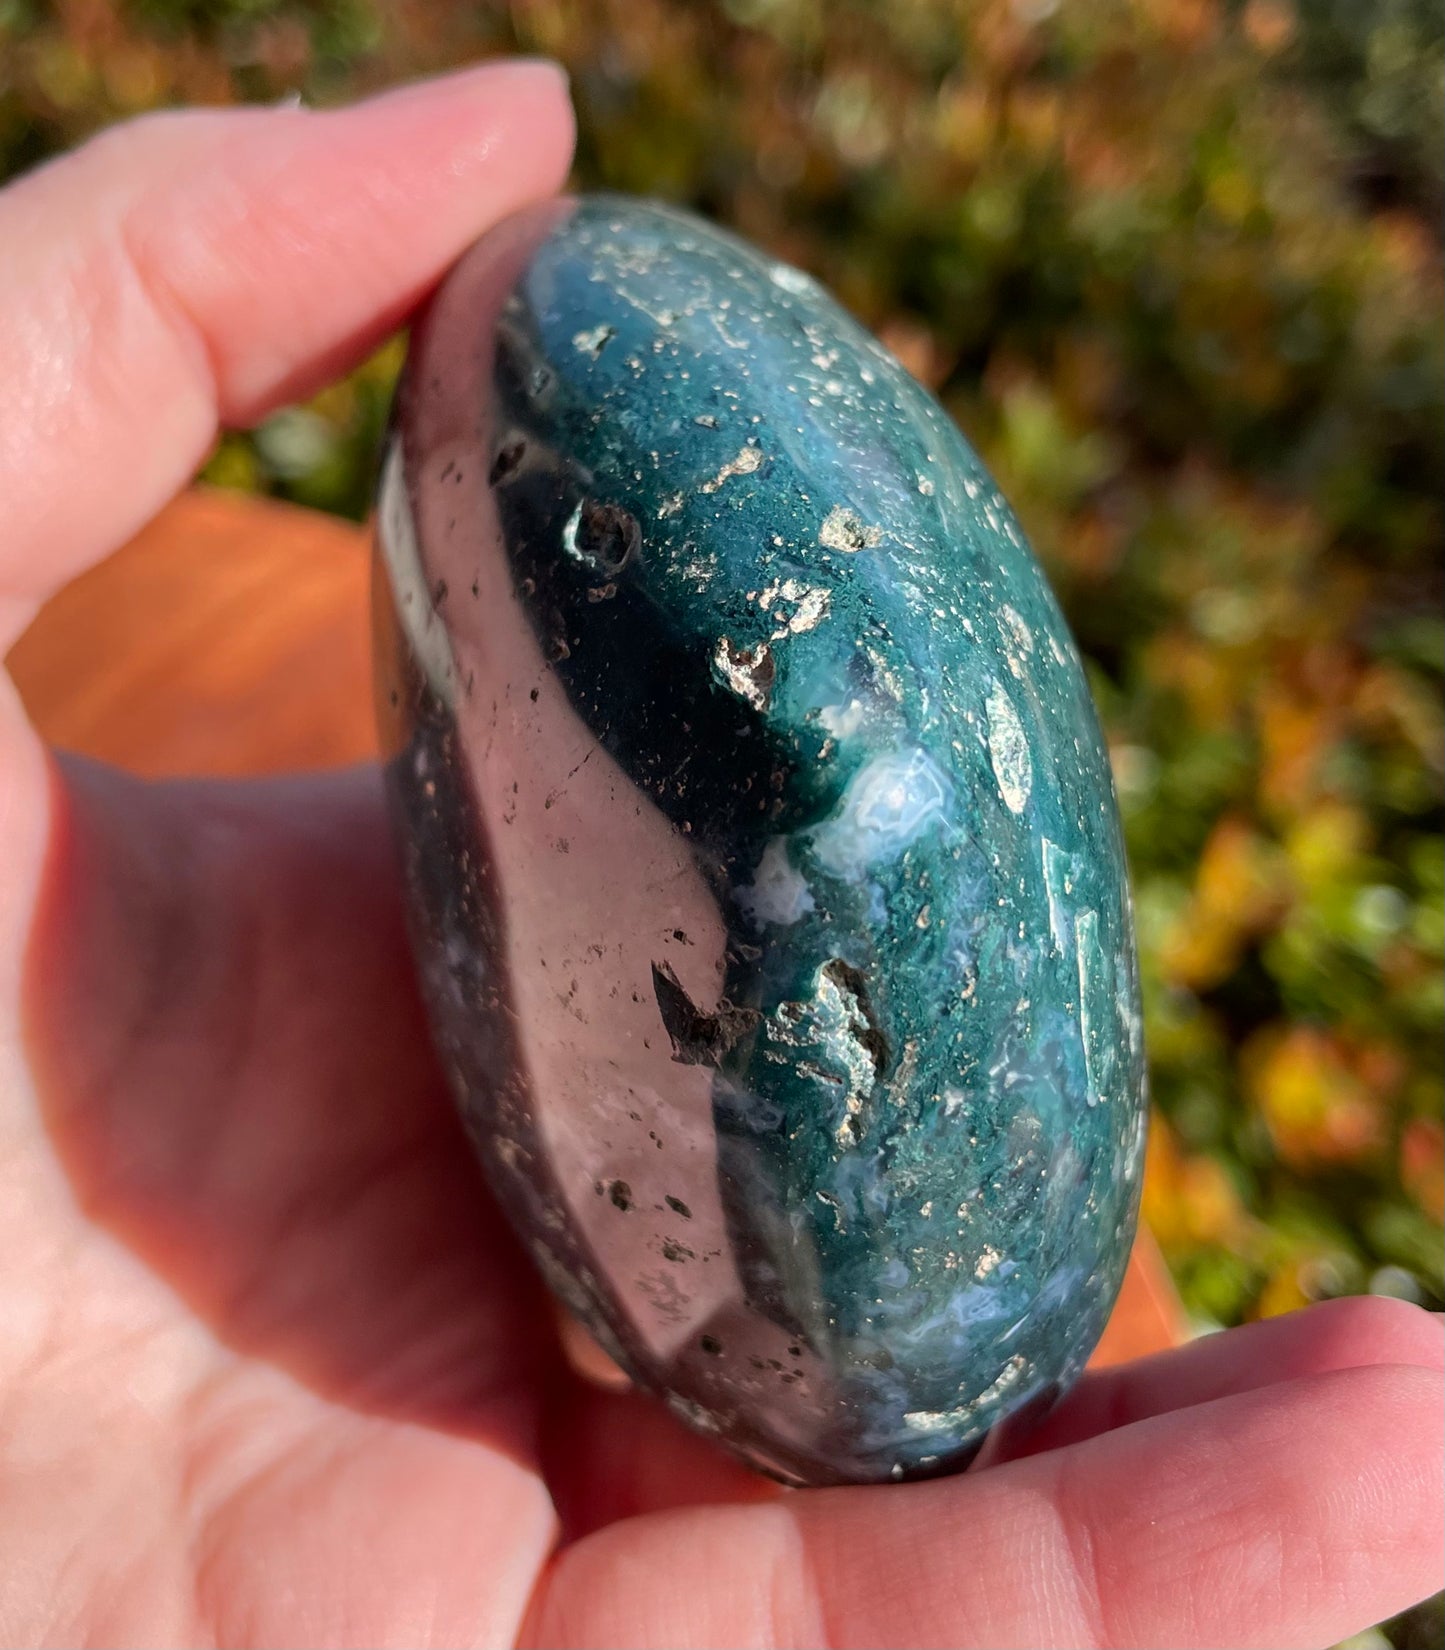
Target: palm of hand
272 1372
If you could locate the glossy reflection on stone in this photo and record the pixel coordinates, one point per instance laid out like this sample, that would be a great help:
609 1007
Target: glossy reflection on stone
764 864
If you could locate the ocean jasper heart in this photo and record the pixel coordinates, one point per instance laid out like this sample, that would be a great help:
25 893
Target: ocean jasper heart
762 855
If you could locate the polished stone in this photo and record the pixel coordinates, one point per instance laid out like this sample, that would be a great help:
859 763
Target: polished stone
765 869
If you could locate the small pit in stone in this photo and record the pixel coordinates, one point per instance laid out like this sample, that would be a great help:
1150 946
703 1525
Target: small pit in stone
604 536
508 460
698 1038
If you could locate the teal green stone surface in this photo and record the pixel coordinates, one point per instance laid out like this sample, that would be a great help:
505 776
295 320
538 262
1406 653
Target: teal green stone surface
758 564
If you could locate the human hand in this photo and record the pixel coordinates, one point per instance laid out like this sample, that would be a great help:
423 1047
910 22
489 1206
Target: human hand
270 1370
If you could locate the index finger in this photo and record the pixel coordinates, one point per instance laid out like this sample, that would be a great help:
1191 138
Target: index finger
194 269
197 268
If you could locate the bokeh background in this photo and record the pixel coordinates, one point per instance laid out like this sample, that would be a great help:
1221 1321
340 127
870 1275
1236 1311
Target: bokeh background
1174 266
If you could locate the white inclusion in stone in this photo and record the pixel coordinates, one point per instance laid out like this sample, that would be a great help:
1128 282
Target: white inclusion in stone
810 606
811 610
888 804
966 1309
1014 624
988 1259
778 893
845 529
748 460
415 604
1007 1378
1008 750
1124 995
1059 885
790 279
747 671
842 721
934 1420
1086 936
1139 1133
593 342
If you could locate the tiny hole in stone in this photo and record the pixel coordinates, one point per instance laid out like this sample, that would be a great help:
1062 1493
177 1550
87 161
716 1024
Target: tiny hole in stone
605 536
509 457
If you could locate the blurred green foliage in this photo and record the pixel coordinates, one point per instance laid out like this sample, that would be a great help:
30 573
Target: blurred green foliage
1173 266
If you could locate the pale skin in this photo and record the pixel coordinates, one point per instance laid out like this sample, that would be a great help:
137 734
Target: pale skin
271 1373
